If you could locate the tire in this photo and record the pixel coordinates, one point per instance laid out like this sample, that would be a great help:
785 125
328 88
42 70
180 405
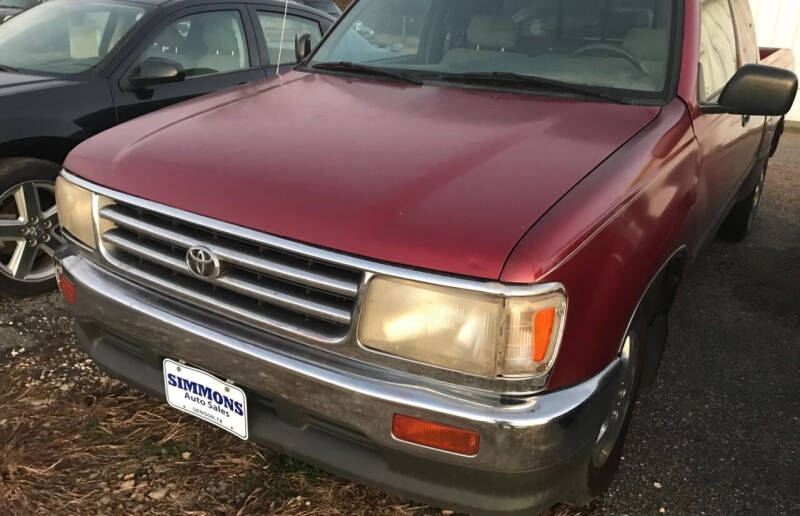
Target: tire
29 230
644 345
607 453
739 223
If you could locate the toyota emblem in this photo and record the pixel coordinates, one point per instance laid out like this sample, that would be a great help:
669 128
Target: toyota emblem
203 263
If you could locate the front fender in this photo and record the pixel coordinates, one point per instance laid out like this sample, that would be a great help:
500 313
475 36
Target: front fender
610 235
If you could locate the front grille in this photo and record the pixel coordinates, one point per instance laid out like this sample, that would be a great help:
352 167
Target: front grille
282 292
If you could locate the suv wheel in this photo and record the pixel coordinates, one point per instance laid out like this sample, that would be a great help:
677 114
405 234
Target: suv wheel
29 229
740 220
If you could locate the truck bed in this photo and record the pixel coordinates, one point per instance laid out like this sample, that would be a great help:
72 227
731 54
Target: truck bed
780 58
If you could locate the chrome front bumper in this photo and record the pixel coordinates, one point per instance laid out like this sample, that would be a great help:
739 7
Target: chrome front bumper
519 436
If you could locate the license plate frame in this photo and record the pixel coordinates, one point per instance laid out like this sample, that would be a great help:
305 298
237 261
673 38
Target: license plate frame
206 397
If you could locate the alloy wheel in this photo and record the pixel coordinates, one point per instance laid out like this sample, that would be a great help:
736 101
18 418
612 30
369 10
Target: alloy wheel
29 232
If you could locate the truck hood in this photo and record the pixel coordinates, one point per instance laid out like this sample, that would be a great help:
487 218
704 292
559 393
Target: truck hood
440 178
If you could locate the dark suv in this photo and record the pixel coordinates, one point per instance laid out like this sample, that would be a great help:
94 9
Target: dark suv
70 69
10 8
326 6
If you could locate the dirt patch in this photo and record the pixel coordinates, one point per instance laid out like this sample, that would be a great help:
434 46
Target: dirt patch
77 440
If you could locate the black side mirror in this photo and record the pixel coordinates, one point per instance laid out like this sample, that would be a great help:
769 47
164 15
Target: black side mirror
155 70
302 46
758 90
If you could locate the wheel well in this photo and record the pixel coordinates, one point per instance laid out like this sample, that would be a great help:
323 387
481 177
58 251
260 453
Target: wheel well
671 277
7 162
54 150
655 307
776 138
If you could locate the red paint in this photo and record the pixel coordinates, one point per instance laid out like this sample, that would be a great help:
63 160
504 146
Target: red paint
497 186
439 178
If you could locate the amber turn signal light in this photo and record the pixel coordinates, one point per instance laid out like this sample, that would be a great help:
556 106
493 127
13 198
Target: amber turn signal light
435 435
542 330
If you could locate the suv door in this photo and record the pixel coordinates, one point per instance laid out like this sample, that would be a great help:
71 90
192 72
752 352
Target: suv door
728 143
269 25
214 45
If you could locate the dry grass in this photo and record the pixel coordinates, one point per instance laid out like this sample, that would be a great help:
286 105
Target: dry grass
74 441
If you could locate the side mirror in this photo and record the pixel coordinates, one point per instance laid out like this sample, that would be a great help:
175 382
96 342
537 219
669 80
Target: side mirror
758 90
155 70
302 46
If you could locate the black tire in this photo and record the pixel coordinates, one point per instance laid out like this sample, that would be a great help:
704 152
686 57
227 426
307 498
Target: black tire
600 474
15 173
739 223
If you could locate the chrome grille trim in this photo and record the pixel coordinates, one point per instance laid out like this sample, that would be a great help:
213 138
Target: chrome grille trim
289 294
232 256
232 281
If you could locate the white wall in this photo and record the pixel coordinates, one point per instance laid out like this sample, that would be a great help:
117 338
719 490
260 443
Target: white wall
778 25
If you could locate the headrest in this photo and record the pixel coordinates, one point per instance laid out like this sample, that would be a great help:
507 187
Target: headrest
494 32
169 38
648 44
218 36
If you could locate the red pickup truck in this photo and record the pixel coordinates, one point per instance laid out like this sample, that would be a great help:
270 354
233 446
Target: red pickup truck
437 257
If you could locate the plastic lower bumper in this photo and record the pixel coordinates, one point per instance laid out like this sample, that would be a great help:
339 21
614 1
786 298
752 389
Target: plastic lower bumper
337 413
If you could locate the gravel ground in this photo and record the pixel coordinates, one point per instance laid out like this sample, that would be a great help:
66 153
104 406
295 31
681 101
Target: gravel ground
718 434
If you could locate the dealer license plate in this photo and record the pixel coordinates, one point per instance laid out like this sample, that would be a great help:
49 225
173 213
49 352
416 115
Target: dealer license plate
205 396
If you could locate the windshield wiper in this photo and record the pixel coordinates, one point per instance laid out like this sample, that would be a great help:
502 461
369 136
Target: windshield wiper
347 66
6 68
529 81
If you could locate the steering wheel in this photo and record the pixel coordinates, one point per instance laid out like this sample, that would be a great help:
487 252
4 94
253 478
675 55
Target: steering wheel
615 49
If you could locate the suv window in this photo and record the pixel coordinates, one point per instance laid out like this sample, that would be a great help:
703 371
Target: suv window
272 25
203 43
718 56
66 37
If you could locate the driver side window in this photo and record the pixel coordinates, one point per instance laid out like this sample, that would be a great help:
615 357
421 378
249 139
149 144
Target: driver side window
718 54
203 44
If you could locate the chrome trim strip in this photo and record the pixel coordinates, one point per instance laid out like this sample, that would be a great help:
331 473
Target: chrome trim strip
347 261
230 281
232 256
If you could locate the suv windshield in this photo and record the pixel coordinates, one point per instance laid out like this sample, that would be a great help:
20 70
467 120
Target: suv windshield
604 44
65 37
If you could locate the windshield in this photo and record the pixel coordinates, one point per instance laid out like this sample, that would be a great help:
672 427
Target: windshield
19 4
65 37
609 44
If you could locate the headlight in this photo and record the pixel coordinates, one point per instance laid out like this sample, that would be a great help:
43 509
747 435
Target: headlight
472 332
75 211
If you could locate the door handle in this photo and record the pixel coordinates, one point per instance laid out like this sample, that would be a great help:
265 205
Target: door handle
745 120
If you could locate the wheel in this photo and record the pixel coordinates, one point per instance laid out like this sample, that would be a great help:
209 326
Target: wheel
29 229
611 436
610 440
740 220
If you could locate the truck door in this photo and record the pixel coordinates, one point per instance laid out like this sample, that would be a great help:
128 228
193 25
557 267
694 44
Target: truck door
728 143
